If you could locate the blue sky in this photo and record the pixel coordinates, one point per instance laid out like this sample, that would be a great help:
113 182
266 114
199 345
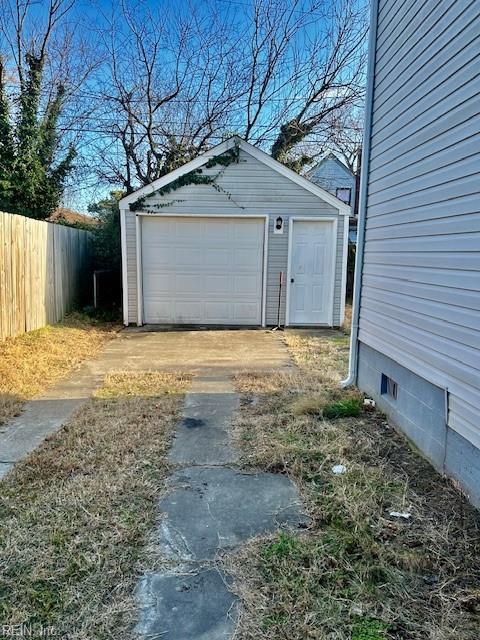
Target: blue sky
87 121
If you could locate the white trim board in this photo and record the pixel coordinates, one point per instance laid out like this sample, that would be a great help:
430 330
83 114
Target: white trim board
265 270
138 236
123 239
138 233
291 221
259 155
343 286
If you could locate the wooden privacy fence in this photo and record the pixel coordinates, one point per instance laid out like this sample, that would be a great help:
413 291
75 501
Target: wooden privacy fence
43 267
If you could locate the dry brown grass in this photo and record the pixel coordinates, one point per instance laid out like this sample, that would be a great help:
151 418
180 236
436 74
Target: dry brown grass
77 513
357 573
34 361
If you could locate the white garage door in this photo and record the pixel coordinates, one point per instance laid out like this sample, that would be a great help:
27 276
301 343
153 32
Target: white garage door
202 270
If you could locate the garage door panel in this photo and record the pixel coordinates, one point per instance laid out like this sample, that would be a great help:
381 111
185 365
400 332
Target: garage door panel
246 285
202 270
164 255
221 231
188 311
218 312
162 310
187 257
244 257
245 313
218 285
187 284
244 229
159 283
186 229
215 258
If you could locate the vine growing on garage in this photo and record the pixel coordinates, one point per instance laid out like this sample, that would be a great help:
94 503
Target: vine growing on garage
196 176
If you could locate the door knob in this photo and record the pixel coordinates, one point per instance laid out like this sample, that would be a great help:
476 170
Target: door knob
292 279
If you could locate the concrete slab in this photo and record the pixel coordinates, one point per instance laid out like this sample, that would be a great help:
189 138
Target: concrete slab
40 418
211 507
203 435
209 510
200 352
195 604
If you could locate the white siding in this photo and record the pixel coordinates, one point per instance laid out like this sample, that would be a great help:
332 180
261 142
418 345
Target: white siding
246 188
420 301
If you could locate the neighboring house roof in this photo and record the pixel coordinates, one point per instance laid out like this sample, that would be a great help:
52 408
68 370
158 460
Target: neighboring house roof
261 156
324 160
68 216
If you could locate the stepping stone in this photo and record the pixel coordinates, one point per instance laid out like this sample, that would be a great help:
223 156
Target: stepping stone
210 509
202 436
193 605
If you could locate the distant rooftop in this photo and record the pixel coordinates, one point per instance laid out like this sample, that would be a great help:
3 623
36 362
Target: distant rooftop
68 216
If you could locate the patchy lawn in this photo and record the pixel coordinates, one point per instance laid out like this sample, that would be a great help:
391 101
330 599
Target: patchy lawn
34 361
77 513
358 572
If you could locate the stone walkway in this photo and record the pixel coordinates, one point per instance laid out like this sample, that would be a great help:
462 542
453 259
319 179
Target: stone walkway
211 506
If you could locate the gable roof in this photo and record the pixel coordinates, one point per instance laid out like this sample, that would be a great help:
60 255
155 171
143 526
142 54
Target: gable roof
259 155
330 156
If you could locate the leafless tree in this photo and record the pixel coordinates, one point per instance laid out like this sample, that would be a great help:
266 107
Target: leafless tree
177 82
42 30
168 80
170 87
330 79
347 137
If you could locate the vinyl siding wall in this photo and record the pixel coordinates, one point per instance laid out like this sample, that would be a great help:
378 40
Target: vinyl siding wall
420 300
246 188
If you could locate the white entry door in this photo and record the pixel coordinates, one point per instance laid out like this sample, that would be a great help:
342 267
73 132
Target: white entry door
312 272
202 270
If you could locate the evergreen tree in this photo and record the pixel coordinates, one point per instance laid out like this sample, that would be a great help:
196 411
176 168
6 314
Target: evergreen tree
106 235
32 178
6 144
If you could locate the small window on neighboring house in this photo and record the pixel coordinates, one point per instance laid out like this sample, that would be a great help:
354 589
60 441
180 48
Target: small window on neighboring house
388 387
344 194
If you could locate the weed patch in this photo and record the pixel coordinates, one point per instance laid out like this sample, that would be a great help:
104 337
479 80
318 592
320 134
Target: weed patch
357 572
342 408
369 629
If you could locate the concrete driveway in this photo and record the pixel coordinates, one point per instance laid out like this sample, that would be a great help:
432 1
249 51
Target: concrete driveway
216 354
224 352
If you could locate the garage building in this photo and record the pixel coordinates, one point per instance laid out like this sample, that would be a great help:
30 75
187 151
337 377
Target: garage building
206 244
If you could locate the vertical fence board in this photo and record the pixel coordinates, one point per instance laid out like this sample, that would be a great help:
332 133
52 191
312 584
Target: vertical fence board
3 296
42 266
9 329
